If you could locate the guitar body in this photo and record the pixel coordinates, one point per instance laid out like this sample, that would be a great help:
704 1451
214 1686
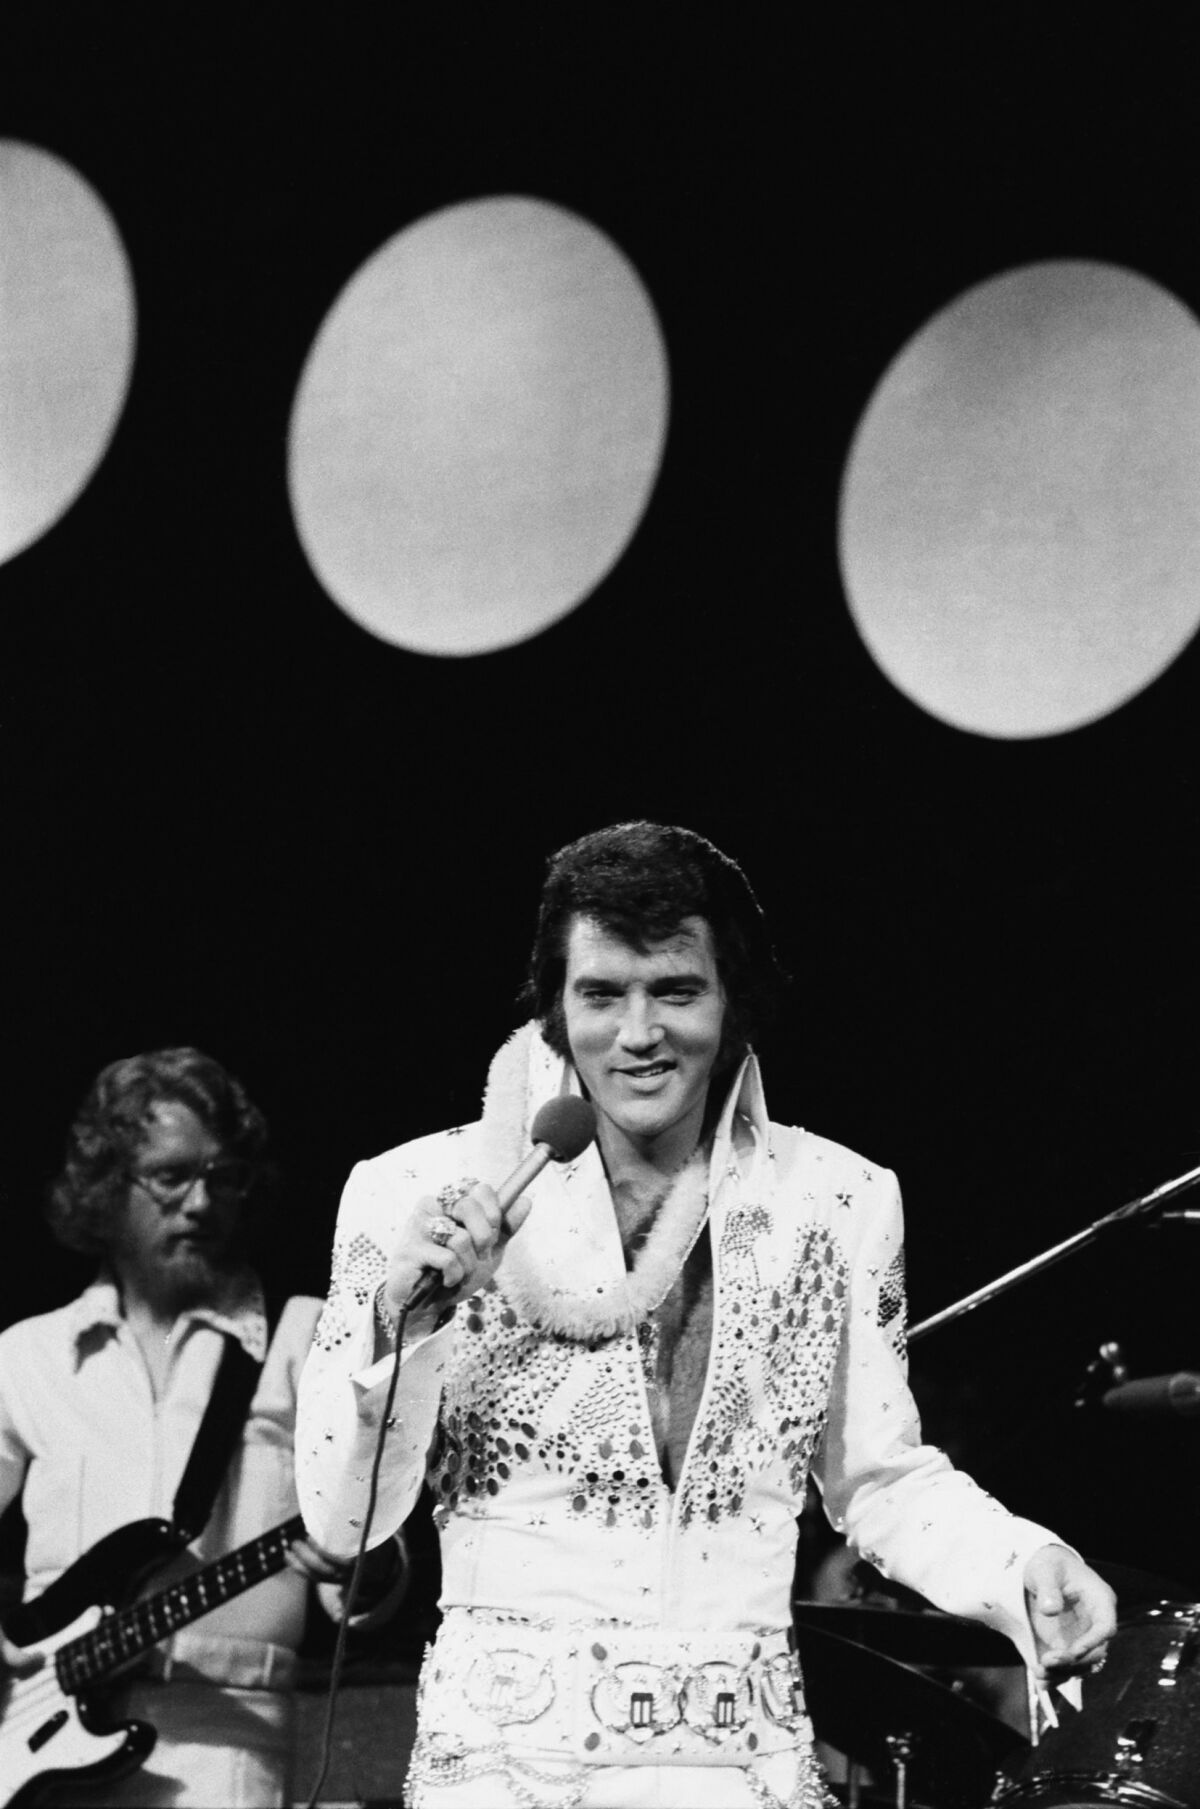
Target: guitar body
109 1572
46 1735
50 1725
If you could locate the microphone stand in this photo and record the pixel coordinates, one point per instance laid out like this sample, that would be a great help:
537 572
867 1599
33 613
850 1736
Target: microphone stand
1144 1208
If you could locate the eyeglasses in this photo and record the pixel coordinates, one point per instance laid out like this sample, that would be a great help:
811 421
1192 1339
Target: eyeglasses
225 1177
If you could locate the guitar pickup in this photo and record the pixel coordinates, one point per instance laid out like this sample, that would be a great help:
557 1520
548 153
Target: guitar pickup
47 1731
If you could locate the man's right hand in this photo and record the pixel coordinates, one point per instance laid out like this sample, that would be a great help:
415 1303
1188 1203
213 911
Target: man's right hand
475 1233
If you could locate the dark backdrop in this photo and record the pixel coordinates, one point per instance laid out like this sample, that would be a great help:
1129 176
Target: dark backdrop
232 818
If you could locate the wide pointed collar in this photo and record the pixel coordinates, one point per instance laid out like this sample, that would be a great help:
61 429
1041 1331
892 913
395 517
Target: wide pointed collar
237 1309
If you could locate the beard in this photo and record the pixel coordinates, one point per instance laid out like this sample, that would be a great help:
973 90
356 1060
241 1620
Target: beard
190 1274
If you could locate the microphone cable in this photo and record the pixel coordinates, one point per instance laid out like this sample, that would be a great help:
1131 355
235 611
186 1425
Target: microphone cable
339 1650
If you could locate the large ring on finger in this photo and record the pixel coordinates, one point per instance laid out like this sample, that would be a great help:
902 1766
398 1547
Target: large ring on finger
441 1230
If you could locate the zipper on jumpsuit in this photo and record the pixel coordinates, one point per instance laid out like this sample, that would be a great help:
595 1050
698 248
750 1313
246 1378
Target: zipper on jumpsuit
670 1545
726 1171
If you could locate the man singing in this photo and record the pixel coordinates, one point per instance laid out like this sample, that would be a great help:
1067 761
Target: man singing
620 1387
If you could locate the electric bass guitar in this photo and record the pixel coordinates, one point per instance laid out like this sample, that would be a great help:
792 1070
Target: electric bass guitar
49 1729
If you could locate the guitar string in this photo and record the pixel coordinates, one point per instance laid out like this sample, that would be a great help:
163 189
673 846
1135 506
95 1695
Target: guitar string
34 1697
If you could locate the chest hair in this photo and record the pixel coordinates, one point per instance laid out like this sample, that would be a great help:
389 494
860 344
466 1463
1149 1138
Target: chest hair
682 1331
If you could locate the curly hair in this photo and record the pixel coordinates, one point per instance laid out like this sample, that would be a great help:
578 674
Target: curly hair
89 1192
639 881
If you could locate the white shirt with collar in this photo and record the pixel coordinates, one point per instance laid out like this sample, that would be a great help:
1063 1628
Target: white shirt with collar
89 1446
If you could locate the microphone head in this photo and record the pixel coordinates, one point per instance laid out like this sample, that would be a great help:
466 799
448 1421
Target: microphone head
566 1125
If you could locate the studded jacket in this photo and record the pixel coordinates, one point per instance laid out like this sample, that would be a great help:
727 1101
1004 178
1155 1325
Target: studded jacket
529 1412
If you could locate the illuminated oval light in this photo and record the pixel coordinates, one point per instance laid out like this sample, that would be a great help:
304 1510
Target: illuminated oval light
1020 511
66 339
478 426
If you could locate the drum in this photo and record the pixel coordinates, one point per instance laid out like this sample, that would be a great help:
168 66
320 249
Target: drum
1136 1740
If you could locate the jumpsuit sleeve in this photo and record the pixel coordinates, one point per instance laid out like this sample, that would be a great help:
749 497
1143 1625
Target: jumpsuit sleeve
900 1502
343 1395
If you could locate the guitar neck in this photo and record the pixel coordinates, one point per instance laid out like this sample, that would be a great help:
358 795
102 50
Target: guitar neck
131 1631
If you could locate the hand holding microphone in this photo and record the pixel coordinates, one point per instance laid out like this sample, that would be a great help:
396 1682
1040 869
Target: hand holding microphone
444 1255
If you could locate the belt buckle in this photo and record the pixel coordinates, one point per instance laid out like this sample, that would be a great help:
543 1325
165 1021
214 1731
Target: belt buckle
718 1699
509 1685
783 1692
638 1699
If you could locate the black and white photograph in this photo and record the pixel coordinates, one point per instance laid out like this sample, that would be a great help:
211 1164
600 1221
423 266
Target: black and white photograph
600 796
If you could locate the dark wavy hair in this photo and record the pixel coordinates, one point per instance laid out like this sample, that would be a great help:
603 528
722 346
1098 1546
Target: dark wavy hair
639 881
90 1191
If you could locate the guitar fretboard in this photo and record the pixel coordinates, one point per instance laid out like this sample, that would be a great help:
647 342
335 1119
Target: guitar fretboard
122 1636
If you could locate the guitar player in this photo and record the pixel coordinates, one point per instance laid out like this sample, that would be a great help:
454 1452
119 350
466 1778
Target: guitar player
101 1405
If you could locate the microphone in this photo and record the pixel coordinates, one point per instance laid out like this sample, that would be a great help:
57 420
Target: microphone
561 1130
1158 1395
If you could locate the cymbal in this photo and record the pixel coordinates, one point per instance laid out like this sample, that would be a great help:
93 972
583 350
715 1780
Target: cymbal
856 1698
915 1638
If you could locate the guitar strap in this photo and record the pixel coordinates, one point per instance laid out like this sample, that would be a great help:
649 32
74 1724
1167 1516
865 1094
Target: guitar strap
218 1433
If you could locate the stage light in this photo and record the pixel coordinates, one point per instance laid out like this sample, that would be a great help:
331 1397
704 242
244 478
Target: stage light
1020 510
66 349
478 426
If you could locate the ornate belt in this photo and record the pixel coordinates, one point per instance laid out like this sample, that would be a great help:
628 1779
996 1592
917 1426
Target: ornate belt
610 1694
